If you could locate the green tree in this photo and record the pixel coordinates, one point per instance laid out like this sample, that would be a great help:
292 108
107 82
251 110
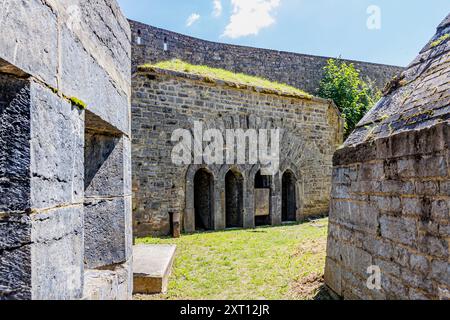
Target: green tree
353 96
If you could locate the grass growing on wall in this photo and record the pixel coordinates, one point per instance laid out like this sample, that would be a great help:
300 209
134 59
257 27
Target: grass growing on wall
225 75
284 262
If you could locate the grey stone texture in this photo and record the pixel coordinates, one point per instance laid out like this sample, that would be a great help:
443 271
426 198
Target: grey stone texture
115 283
163 101
50 52
299 70
152 268
390 198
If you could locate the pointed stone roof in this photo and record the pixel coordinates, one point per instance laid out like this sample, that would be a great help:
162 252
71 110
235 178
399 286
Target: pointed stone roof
418 98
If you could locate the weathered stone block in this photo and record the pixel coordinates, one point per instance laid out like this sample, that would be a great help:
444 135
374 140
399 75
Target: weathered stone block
104 232
30 38
333 276
84 78
57 254
56 167
104 165
419 263
114 284
394 288
15 273
152 268
399 230
15 133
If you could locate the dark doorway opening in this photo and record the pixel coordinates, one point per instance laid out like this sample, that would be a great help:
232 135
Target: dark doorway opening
234 199
203 200
262 199
289 199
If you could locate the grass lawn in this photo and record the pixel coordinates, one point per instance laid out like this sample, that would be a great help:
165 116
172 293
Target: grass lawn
284 262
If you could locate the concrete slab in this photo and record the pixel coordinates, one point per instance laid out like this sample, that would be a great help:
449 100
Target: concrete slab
152 265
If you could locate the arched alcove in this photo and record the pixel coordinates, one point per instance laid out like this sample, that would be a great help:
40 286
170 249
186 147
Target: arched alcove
204 200
263 186
289 197
234 199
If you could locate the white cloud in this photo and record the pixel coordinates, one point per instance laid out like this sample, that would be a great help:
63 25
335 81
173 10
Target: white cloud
217 8
250 16
193 18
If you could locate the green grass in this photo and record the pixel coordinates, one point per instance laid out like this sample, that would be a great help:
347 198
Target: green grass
220 74
284 262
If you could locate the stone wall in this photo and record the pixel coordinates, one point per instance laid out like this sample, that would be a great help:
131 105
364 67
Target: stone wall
390 208
163 101
56 58
299 70
391 199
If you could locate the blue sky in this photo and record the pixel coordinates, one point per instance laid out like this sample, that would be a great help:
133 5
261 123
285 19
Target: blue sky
398 28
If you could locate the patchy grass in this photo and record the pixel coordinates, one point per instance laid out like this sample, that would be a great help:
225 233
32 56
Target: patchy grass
224 75
270 263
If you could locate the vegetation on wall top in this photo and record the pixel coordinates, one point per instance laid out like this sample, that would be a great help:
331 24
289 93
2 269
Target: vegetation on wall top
228 76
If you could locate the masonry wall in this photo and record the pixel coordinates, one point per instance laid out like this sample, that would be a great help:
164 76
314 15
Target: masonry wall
52 52
390 208
299 70
164 101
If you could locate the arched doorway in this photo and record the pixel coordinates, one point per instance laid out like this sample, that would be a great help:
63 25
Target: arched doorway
289 198
234 199
203 200
263 185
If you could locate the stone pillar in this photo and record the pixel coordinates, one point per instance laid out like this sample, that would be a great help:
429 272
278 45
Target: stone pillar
54 65
275 203
219 204
41 193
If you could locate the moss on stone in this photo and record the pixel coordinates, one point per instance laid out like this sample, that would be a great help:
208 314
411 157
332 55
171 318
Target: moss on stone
235 80
78 103
54 90
440 40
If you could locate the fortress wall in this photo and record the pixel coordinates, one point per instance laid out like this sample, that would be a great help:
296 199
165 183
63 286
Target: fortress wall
299 70
390 208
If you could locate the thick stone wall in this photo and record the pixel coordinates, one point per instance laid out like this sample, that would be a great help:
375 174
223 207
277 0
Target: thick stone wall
299 70
391 199
390 208
164 101
54 61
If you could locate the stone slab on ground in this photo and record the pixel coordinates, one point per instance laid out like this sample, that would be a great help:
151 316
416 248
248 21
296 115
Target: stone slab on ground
152 265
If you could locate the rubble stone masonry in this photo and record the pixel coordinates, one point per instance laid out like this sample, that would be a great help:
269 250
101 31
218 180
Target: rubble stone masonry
390 200
164 101
390 208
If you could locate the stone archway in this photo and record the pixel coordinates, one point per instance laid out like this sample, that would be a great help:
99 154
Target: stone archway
204 200
234 199
289 197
